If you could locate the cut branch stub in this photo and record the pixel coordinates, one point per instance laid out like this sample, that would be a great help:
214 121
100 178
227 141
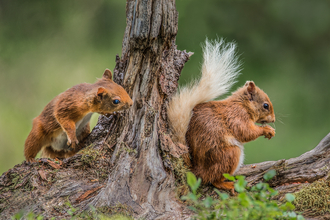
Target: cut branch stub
171 67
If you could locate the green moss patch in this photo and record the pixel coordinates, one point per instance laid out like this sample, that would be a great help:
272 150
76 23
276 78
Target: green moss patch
121 211
314 199
180 170
89 154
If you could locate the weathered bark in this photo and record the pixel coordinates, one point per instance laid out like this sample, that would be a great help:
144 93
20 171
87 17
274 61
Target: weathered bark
138 178
123 165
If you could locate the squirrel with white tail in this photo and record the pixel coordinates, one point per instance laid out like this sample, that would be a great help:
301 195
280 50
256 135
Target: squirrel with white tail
215 131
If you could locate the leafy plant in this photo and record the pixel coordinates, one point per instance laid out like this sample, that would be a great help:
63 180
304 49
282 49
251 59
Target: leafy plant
250 203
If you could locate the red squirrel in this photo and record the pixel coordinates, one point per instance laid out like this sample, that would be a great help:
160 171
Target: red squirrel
65 120
215 131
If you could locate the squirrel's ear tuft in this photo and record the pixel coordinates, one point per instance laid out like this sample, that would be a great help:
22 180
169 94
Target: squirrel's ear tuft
100 92
251 87
107 74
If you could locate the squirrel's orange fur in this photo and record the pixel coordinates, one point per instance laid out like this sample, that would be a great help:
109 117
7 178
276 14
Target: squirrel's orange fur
65 120
218 130
215 131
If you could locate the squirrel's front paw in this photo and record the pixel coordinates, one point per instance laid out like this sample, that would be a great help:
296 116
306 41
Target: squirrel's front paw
31 160
72 144
269 132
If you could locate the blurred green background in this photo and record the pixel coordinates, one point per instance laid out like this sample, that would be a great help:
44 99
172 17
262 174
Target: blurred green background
47 47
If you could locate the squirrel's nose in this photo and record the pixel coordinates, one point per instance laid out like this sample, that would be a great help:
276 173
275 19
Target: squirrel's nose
271 118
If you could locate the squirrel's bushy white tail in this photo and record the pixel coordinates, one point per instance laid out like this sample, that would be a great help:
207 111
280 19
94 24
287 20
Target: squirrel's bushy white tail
219 71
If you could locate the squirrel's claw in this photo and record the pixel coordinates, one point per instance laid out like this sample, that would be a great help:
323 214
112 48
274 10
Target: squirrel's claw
71 145
118 114
31 161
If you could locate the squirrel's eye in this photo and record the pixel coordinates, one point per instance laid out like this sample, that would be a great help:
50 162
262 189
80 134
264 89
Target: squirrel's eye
116 101
266 106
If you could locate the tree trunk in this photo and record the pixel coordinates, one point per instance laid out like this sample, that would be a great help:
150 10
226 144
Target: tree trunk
149 70
125 166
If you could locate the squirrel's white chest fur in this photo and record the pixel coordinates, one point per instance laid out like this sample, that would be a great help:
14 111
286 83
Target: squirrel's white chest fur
241 157
60 142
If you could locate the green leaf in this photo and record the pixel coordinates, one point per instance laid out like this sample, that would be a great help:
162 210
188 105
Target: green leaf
196 185
260 204
239 188
192 208
18 215
191 179
240 184
260 186
270 174
300 217
30 216
223 196
291 215
190 196
193 197
274 193
184 198
289 197
208 202
240 177
244 200
69 212
229 177
193 182
287 206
